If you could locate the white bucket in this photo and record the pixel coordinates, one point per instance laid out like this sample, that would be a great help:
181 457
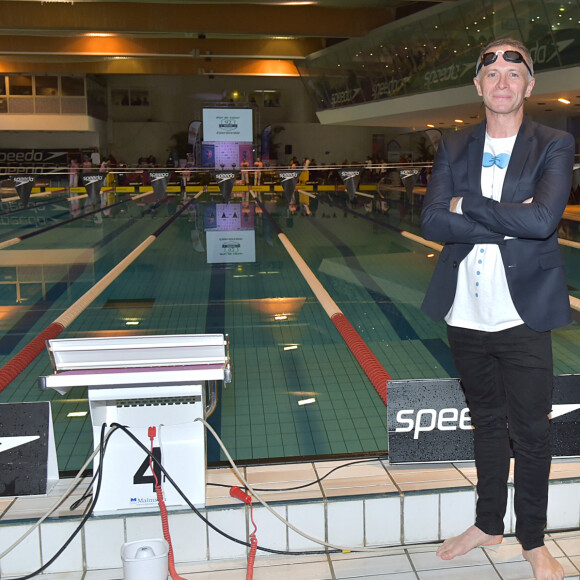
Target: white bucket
145 560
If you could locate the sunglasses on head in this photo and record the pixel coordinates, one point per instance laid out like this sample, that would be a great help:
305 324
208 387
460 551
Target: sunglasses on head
508 55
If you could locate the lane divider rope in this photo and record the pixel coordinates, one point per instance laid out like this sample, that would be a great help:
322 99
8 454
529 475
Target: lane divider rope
18 239
375 372
37 345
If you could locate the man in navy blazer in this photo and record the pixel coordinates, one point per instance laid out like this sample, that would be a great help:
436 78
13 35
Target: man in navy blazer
497 193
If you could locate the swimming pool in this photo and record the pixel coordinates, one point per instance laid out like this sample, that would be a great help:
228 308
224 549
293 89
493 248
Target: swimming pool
297 390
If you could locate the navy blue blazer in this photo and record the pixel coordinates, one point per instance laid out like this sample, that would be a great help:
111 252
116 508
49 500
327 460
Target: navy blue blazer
541 167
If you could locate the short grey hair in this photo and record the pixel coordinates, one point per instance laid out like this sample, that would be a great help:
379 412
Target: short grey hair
517 44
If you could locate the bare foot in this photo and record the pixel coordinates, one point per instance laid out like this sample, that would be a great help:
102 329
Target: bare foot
469 539
544 565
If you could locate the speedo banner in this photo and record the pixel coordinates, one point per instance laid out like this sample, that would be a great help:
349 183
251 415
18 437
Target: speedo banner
159 181
225 180
28 464
351 179
93 183
23 185
288 179
428 420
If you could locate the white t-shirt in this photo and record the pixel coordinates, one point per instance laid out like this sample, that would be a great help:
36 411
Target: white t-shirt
482 298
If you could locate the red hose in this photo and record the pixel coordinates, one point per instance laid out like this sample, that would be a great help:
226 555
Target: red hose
166 533
363 354
240 494
163 510
19 362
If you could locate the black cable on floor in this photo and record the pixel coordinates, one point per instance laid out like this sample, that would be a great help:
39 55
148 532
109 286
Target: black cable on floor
85 517
378 458
201 516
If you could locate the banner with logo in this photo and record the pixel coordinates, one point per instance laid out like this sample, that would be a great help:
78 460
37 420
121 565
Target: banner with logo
208 155
159 181
225 180
288 180
193 132
93 182
409 178
351 179
428 420
23 185
209 216
28 464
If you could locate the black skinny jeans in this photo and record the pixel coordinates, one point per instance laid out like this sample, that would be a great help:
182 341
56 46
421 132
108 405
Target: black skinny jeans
508 382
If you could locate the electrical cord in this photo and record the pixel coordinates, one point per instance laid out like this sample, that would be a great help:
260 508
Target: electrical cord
88 513
55 506
318 480
198 513
273 511
101 449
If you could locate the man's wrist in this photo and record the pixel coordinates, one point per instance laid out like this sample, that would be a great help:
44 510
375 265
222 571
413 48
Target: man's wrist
455 205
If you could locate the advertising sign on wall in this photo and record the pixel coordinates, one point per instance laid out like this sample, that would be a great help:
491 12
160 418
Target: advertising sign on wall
227 125
428 420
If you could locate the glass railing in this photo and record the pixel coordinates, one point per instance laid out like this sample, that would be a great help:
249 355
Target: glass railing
438 48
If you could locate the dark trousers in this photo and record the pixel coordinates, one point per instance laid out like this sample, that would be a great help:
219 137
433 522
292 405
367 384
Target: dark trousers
508 381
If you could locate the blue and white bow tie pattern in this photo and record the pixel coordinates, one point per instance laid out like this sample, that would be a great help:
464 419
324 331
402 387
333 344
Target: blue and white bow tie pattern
500 160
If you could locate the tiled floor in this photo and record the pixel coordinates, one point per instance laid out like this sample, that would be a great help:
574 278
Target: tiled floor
417 562
352 478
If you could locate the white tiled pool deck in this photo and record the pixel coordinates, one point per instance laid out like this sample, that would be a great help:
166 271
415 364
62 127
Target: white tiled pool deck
400 512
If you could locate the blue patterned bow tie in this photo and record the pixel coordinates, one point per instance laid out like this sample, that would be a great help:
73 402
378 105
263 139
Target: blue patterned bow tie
500 160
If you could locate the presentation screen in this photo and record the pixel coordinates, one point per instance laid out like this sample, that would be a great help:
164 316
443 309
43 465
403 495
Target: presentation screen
227 125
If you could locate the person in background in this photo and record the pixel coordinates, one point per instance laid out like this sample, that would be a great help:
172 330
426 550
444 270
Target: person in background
245 173
87 164
496 195
258 174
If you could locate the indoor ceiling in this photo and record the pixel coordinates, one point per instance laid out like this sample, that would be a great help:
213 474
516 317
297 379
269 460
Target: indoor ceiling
235 37
197 37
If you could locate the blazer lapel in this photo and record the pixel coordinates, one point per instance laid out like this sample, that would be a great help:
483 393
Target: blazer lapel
474 156
518 160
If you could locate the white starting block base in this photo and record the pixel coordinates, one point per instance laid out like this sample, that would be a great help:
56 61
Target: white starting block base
128 481
143 382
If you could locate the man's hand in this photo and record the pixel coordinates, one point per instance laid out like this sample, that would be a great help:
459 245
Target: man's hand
453 204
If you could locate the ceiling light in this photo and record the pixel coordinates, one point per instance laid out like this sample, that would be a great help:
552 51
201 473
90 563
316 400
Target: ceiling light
307 401
281 317
430 125
458 120
291 347
563 100
78 414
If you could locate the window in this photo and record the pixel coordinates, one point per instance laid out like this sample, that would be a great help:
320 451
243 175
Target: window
72 86
46 86
120 98
130 97
20 85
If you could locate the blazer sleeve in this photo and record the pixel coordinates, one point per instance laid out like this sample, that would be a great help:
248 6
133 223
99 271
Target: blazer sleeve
437 222
547 178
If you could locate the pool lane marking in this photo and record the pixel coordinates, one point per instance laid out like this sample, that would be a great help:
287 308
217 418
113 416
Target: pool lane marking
367 360
20 361
18 239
